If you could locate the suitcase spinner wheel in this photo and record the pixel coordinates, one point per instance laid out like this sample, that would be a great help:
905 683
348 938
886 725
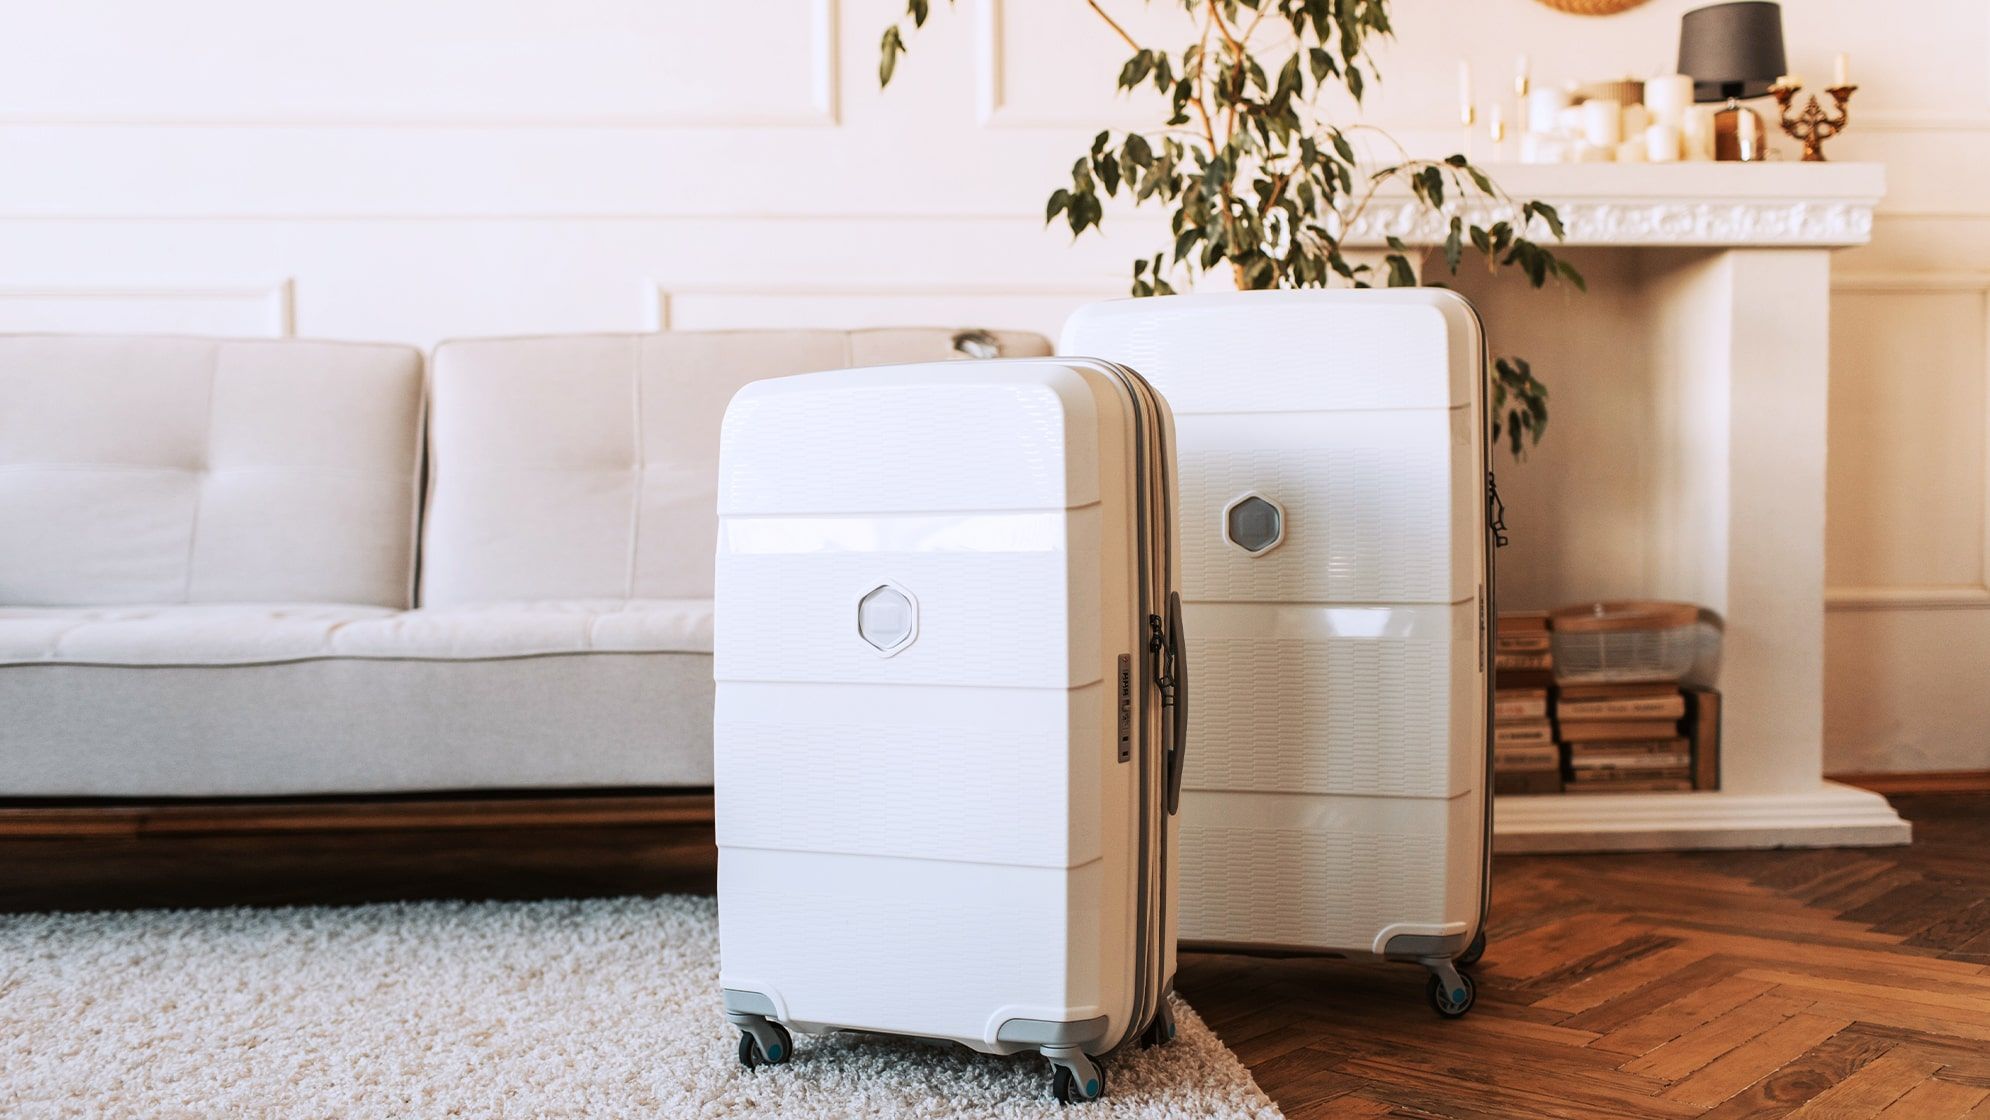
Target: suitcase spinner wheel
762 1041
1074 1078
1450 991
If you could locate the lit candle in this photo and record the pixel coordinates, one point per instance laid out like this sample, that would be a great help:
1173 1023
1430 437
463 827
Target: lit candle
1841 70
1521 84
1496 122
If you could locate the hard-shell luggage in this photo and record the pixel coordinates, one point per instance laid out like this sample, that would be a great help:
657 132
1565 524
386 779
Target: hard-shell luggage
1337 580
949 721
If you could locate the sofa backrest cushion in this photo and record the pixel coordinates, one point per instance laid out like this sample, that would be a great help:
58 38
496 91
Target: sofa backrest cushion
585 466
190 470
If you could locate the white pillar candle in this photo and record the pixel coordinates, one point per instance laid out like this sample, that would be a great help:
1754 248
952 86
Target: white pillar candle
1595 153
1522 78
1667 97
1603 122
1568 122
1697 133
1636 119
1662 143
1496 122
1544 107
1631 151
1841 70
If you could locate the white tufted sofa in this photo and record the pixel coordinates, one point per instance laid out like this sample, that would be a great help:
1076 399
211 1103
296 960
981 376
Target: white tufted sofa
233 567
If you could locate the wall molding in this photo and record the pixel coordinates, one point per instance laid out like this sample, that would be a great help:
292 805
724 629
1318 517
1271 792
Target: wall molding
275 303
662 296
1882 597
824 108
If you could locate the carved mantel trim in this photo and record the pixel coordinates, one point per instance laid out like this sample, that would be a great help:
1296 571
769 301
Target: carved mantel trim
1821 205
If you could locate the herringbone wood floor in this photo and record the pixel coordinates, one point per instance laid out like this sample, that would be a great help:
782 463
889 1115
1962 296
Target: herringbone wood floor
1727 985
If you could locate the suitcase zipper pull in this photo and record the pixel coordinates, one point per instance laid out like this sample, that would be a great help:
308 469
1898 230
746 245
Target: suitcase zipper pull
1498 525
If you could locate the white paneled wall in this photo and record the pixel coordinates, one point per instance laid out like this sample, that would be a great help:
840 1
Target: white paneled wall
370 169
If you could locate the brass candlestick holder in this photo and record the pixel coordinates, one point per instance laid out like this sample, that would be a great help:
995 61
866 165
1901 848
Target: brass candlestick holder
1813 126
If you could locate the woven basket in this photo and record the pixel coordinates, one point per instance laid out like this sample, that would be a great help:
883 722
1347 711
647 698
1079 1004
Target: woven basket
1592 7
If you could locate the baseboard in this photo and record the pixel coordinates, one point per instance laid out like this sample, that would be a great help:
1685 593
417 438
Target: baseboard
1932 781
50 818
1828 816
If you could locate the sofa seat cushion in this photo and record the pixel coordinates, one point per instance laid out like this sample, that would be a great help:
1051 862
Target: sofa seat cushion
268 633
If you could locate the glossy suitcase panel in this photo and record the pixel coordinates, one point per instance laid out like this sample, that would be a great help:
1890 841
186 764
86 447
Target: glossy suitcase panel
1335 581
927 578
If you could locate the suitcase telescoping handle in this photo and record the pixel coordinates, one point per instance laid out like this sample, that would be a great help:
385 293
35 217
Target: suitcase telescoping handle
1171 676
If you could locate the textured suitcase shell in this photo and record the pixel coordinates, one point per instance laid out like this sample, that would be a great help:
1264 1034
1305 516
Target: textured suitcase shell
1337 796
927 578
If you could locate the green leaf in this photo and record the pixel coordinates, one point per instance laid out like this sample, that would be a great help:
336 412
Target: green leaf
1433 185
888 52
1547 214
1322 63
1059 199
1136 69
1571 275
1454 249
918 10
1136 150
1185 240
1401 275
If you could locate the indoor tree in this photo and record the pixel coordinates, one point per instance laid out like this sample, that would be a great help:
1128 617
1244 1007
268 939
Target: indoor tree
1254 174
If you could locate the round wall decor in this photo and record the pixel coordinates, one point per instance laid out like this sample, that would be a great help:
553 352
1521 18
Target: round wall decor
1592 7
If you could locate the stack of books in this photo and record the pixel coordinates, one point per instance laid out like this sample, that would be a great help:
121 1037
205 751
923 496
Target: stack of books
1526 758
1624 737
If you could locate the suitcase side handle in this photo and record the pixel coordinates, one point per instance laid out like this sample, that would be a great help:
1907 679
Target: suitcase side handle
1172 676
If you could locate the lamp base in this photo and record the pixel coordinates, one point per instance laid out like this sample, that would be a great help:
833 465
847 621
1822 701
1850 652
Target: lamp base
1740 135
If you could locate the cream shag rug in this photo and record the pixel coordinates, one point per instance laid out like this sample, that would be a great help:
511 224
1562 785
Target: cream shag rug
602 1008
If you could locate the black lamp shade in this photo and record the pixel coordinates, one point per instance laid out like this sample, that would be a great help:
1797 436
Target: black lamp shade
1732 50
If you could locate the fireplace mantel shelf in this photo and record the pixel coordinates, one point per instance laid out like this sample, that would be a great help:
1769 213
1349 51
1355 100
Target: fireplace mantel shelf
1812 205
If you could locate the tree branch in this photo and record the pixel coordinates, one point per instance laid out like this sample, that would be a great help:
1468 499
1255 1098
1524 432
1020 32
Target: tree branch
1114 24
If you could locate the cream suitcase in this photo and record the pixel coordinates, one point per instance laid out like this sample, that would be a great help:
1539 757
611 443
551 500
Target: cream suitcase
948 734
1336 577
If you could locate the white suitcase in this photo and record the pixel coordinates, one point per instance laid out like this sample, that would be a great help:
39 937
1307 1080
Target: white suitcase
1336 579
948 727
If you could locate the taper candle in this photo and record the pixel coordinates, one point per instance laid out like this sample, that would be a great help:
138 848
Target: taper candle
1841 70
1522 77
